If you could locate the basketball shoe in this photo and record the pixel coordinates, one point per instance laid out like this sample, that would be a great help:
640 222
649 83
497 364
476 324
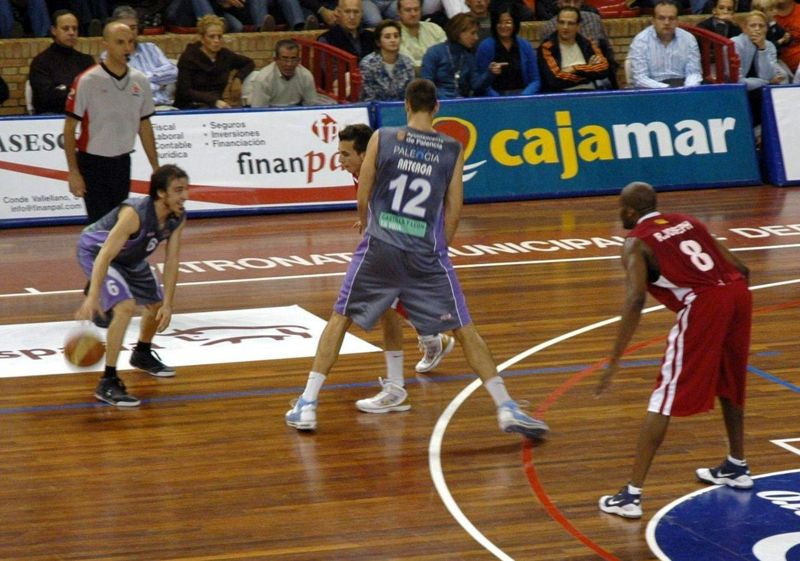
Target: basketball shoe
434 351
512 419
391 398
726 473
623 504
302 415
151 363
113 392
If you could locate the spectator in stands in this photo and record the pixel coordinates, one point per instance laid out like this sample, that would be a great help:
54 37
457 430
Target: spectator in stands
323 10
348 34
568 61
148 59
663 55
207 70
386 72
91 14
237 13
54 69
417 36
547 10
452 66
776 34
479 9
519 72
282 83
759 61
721 21
36 11
787 15
591 27
377 10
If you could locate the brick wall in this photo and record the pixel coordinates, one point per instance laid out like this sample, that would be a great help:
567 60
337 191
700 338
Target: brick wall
16 54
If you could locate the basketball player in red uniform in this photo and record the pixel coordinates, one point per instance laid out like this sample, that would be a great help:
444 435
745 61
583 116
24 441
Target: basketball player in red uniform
676 259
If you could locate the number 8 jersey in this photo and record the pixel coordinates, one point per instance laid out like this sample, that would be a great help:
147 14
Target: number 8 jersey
414 170
686 256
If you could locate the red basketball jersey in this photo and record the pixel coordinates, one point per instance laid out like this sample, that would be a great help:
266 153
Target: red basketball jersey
688 259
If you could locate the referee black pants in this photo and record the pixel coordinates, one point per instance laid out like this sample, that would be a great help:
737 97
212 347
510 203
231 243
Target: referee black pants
108 182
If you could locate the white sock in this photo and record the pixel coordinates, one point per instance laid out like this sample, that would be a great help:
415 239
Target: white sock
497 389
394 367
634 490
734 461
432 343
313 385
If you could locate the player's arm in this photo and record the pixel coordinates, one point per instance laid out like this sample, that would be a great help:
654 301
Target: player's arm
148 142
635 264
733 260
164 315
74 178
127 224
454 199
366 178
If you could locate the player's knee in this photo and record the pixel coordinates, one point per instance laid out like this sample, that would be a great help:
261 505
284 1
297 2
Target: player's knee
125 308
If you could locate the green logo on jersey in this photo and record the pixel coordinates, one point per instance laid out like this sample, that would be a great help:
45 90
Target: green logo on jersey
403 224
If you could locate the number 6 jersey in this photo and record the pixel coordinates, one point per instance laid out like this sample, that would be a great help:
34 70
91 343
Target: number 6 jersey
687 257
414 169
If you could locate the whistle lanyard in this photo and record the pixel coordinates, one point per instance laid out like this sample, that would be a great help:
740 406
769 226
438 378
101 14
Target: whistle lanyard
456 70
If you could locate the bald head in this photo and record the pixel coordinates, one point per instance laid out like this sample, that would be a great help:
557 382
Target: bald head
113 28
636 200
119 42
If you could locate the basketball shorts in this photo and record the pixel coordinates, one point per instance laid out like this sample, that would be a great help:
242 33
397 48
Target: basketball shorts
706 354
426 284
124 282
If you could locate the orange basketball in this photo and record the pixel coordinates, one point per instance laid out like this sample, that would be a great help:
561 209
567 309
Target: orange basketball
83 348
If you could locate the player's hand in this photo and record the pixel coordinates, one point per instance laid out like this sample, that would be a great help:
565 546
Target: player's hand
605 379
163 317
76 184
89 308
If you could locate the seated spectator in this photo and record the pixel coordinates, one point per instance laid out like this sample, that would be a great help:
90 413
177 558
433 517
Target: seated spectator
568 61
282 83
237 13
663 55
91 15
416 36
206 69
547 10
348 34
324 11
776 34
759 61
385 73
519 72
452 66
590 27
54 69
479 9
148 59
787 15
721 21
38 18
376 11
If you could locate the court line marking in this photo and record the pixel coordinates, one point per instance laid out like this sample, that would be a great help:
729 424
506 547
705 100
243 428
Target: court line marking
34 292
650 532
435 443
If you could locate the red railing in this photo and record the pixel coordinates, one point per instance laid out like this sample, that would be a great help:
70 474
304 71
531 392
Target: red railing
335 71
614 8
718 56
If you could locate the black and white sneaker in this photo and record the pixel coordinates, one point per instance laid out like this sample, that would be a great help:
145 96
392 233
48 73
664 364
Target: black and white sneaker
728 474
151 363
623 504
113 392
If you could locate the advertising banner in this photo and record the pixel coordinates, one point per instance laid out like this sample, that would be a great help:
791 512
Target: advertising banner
236 160
596 142
781 134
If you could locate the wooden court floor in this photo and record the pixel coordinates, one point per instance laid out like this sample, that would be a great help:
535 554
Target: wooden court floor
206 469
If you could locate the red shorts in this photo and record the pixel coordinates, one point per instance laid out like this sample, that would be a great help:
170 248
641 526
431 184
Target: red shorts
706 354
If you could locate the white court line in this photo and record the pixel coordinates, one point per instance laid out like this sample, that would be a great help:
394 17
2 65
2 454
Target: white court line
435 445
33 291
